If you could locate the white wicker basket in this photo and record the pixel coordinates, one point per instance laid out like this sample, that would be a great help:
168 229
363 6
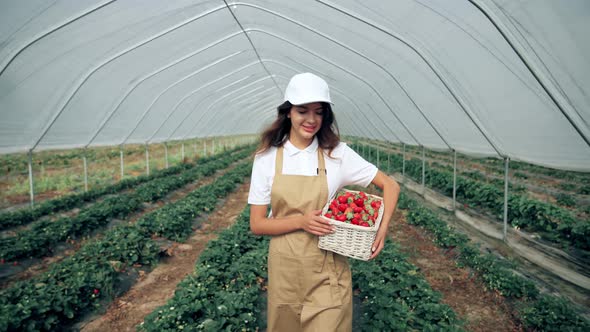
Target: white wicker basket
351 240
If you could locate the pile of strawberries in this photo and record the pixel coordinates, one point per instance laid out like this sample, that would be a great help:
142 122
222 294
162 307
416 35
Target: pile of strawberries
354 208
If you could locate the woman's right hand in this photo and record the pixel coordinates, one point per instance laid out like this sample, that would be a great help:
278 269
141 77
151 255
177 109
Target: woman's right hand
312 223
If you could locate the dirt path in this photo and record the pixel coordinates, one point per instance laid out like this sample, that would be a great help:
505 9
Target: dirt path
482 310
154 289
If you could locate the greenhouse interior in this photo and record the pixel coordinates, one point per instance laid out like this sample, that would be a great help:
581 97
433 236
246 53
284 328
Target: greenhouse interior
129 130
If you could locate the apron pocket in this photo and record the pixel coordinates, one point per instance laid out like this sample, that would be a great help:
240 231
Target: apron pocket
321 282
284 283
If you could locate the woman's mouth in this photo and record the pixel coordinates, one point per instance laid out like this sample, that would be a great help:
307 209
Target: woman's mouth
309 129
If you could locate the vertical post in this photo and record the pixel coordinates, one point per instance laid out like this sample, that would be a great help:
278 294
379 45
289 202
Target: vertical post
32 194
423 169
454 179
147 159
378 159
213 146
85 171
404 161
182 152
122 165
166 153
506 161
204 147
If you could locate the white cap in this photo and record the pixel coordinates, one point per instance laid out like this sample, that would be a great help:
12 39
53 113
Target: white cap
307 88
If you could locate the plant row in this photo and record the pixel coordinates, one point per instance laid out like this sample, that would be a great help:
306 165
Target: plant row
224 293
89 278
537 312
395 296
42 235
497 165
30 214
556 224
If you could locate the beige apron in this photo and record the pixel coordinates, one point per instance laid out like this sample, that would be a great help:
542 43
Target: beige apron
309 289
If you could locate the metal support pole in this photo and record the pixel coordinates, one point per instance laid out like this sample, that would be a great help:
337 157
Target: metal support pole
506 162
32 194
378 159
454 179
122 165
182 152
85 172
212 146
147 159
404 161
204 148
423 169
166 153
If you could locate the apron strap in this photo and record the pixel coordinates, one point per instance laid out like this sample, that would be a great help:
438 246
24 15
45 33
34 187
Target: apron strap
321 163
279 161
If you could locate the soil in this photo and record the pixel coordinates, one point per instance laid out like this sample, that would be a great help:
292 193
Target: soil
481 309
155 288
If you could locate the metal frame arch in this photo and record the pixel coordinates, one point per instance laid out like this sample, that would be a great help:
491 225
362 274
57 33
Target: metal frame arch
222 97
238 81
188 95
343 69
568 110
8 60
86 76
353 50
430 64
180 123
209 124
156 72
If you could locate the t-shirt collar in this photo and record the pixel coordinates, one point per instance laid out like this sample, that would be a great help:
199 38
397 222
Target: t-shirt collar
293 150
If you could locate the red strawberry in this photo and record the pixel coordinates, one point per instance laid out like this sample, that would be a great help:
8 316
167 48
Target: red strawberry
341 217
364 223
342 199
328 215
355 221
357 210
96 291
374 205
342 207
359 202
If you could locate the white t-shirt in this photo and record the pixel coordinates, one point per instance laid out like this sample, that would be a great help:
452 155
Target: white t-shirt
346 167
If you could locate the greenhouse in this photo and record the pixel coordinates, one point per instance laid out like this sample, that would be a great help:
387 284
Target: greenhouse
128 132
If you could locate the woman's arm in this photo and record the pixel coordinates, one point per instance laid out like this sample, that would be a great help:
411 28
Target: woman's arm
310 222
391 191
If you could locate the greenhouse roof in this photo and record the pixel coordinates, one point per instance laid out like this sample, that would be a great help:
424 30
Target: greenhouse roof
482 77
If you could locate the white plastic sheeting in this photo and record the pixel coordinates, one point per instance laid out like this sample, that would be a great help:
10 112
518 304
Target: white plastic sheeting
422 72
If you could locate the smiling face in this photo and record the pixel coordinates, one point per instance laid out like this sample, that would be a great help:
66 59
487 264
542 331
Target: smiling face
306 121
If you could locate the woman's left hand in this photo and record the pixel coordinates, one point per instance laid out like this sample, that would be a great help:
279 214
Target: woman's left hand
379 242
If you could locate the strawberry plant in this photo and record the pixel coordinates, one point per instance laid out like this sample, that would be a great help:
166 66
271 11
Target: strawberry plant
538 312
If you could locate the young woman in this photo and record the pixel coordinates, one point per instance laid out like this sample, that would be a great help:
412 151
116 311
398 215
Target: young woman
299 167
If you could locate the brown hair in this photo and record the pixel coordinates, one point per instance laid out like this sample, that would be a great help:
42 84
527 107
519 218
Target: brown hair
278 132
